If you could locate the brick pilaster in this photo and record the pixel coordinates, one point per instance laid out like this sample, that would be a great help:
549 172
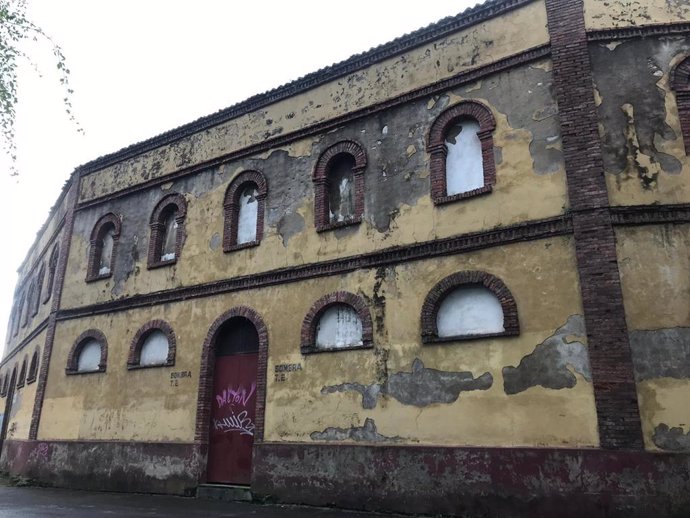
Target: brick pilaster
595 243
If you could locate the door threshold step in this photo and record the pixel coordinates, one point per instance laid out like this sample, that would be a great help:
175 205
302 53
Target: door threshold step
224 492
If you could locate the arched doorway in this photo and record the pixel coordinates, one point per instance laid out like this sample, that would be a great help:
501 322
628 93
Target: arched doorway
233 402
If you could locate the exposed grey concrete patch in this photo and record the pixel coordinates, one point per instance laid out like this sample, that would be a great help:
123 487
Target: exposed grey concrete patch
633 109
215 241
661 353
290 224
524 96
366 433
421 387
672 439
550 363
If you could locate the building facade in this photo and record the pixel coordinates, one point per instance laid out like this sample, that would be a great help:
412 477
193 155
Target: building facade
447 275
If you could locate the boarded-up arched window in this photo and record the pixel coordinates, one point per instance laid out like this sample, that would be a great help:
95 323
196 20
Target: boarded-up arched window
338 321
167 231
154 345
339 186
462 152
88 354
244 211
104 238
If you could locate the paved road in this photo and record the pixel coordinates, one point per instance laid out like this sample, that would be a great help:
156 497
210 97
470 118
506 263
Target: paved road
29 502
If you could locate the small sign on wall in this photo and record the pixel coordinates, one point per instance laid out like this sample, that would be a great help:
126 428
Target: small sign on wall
282 370
175 377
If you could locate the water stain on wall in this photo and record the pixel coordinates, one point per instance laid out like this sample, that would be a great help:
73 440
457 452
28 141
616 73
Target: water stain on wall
366 433
421 387
551 362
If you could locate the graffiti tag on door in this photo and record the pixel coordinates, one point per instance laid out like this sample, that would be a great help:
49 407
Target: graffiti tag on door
235 400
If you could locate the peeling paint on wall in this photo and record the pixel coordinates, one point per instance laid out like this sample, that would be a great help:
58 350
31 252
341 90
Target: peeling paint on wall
661 353
632 85
551 362
672 439
421 387
366 433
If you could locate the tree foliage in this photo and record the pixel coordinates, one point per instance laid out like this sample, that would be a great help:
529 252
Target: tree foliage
16 30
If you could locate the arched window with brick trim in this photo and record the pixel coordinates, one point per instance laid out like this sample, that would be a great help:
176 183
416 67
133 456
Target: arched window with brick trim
154 345
103 247
461 152
21 380
338 321
39 287
52 268
339 186
88 354
244 211
167 231
469 305
680 83
33 367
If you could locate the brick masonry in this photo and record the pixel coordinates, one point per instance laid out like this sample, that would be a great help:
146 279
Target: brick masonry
595 245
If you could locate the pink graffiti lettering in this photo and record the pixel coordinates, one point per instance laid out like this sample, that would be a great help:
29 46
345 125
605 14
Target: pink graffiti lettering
235 423
235 396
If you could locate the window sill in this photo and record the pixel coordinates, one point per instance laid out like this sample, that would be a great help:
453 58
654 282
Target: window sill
241 246
160 264
136 366
71 372
312 349
29 381
339 224
439 340
94 278
441 200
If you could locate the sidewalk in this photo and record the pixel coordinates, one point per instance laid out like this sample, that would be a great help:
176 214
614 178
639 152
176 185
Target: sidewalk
29 502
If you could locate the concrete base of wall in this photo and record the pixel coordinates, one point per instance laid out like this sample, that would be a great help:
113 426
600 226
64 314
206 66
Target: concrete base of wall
170 468
476 482
469 482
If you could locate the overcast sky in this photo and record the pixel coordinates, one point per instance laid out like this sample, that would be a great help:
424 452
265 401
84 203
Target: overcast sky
141 67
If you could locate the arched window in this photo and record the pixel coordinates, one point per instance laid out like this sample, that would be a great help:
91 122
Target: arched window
4 387
103 247
39 287
88 354
22 373
244 211
154 345
23 311
680 83
33 299
462 152
52 268
338 321
33 368
167 231
469 305
339 186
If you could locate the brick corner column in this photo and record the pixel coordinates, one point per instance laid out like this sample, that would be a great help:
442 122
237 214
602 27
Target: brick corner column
613 378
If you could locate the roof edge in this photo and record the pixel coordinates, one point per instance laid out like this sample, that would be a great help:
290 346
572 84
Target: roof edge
468 17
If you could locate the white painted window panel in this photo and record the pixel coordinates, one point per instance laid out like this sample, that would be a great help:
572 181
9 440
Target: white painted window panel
247 218
339 326
470 310
89 357
154 351
169 237
464 164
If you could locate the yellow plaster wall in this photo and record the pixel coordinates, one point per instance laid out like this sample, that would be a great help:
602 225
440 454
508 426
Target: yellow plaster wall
467 49
516 183
142 406
605 14
24 397
624 188
654 263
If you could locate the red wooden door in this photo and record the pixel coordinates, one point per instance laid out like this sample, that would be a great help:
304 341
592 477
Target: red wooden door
232 419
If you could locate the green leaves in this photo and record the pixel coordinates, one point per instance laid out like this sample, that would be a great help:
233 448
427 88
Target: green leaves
15 28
